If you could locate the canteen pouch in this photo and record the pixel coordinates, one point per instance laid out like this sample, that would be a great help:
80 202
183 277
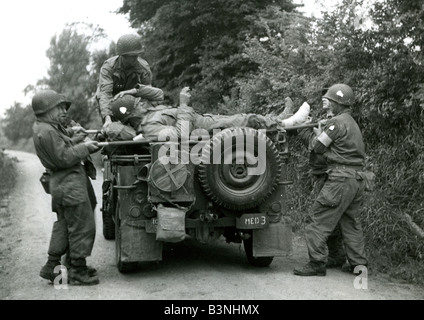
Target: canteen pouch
171 224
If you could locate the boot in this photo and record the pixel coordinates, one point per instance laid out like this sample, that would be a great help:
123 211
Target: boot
311 269
348 268
334 263
80 276
47 271
92 272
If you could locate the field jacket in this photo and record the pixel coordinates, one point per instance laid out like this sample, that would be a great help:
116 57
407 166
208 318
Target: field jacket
67 163
341 142
114 79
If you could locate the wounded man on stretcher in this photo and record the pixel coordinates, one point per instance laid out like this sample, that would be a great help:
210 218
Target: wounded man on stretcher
141 112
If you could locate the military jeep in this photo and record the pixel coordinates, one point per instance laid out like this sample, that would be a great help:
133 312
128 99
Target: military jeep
231 185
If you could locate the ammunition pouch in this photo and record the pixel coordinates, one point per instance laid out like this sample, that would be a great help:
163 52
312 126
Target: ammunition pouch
45 182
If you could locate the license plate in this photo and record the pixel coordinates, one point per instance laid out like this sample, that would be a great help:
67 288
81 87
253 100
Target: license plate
252 221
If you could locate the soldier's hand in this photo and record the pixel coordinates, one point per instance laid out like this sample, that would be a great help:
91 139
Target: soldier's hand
318 130
79 136
77 129
108 121
185 96
323 121
308 120
92 146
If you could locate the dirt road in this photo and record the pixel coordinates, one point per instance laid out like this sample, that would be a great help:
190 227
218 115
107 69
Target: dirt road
188 270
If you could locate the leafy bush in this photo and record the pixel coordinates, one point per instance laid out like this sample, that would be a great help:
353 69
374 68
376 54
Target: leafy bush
198 42
7 173
388 81
18 122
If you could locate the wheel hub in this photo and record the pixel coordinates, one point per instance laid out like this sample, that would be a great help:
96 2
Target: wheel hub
239 171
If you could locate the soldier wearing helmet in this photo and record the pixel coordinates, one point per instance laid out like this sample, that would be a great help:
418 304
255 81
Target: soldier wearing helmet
121 72
66 159
318 164
339 141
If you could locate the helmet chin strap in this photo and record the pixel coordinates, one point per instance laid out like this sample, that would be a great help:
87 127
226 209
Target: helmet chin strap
334 108
53 116
64 119
49 116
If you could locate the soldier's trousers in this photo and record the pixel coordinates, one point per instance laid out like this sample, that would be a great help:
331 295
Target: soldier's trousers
74 232
336 250
338 203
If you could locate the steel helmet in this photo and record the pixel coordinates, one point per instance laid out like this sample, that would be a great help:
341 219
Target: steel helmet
128 44
340 93
123 107
46 100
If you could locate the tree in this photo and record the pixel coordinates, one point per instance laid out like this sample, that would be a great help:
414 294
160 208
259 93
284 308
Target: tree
383 62
98 57
198 42
71 71
291 62
18 122
375 47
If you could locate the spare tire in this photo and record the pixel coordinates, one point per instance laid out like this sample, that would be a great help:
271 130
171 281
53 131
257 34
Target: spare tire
227 171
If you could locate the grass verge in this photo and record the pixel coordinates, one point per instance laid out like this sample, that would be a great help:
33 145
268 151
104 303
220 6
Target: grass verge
7 182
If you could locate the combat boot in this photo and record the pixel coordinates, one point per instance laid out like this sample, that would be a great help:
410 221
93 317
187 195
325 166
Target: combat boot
80 276
348 268
334 262
47 271
92 272
67 263
311 269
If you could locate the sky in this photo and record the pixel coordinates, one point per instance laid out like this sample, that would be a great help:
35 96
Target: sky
27 26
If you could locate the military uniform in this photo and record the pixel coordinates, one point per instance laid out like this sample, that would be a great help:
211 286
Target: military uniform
341 196
71 190
319 167
114 78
